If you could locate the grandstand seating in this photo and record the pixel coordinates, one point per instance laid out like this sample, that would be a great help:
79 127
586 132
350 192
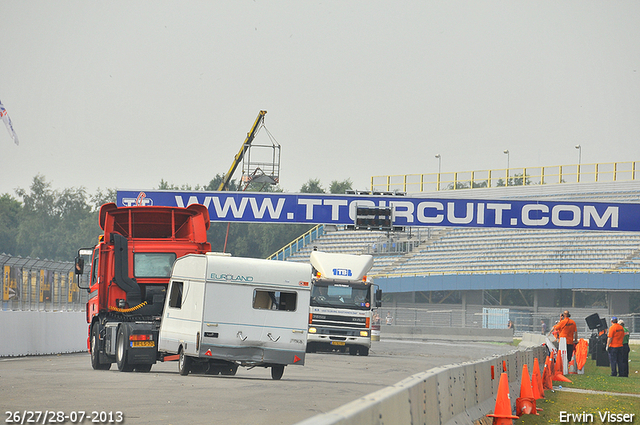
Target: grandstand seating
489 250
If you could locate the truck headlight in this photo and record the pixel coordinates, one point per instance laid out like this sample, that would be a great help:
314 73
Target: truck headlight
312 330
364 333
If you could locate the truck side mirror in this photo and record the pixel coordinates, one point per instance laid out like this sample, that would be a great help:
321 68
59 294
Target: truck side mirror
79 269
379 298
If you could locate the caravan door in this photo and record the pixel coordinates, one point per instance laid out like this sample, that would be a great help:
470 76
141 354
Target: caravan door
182 317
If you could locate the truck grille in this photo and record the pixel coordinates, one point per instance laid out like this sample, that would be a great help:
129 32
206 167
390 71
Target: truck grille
341 321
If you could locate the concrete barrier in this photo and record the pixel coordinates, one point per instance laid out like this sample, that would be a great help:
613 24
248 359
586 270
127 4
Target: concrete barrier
25 333
459 394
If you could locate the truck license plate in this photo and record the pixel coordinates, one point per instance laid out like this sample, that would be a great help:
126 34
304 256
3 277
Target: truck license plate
143 344
338 343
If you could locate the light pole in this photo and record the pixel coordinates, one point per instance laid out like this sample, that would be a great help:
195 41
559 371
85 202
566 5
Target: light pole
506 152
439 168
579 160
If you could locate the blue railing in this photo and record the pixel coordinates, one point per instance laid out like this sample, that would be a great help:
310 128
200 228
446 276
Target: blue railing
298 244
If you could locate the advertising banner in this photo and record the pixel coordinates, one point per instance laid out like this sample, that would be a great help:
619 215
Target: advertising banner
407 211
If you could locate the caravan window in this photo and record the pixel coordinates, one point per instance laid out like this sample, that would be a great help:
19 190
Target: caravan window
274 300
175 297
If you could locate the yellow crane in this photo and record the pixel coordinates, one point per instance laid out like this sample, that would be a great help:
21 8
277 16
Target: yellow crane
224 185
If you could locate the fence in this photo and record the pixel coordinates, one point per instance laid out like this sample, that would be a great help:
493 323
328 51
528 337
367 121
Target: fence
476 316
577 173
32 284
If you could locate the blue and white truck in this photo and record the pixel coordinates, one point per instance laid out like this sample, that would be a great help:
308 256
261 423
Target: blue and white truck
343 301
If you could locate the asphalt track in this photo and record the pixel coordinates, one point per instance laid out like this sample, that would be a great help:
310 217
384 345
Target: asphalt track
66 383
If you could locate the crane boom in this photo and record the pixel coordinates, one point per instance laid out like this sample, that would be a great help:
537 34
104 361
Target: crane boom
224 185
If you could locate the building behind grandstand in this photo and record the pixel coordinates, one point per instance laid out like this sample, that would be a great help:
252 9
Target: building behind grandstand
483 277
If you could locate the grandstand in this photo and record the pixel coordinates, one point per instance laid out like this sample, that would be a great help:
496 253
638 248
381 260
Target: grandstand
443 250
477 260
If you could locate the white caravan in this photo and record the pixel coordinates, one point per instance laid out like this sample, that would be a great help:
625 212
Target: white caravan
223 312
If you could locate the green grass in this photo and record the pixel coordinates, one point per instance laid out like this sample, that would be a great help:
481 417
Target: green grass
595 378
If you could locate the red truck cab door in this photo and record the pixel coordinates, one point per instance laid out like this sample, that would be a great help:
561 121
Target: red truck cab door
93 304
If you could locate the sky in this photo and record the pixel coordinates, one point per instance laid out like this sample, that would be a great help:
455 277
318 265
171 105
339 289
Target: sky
121 95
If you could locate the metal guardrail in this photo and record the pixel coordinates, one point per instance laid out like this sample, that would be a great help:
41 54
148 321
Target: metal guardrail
298 244
557 174
40 285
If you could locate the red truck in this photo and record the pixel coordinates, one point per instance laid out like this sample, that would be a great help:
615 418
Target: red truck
130 271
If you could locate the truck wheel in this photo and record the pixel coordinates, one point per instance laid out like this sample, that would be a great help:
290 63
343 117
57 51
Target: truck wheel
184 363
353 350
277 371
95 355
364 351
142 368
121 352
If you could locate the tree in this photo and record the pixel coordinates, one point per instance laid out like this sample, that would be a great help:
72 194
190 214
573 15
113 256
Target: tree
214 184
54 224
10 212
256 240
101 198
515 180
37 219
340 187
312 186
458 186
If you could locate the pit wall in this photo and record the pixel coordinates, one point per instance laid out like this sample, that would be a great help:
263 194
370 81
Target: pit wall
24 333
460 393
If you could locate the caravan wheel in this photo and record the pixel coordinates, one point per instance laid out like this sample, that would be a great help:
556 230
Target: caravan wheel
277 371
184 363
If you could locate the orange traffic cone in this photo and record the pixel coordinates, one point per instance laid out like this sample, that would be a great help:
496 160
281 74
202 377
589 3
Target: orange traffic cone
502 414
547 382
557 374
536 381
526 404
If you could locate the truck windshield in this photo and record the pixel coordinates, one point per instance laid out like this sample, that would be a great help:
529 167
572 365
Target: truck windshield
153 264
340 295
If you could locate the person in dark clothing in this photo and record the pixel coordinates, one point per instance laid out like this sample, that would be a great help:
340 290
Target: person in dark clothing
624 364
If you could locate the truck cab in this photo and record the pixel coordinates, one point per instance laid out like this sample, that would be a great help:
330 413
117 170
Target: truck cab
130 270
342 303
